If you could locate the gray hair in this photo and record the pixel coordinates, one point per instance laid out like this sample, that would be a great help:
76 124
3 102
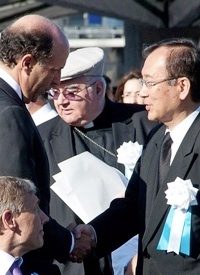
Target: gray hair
97 78
12 191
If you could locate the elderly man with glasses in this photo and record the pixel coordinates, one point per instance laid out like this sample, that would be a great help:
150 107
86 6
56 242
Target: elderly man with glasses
87 121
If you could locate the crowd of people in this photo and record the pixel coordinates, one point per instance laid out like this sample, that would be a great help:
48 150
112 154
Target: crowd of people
55 105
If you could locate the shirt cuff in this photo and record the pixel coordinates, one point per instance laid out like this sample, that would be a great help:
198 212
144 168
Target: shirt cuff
72 244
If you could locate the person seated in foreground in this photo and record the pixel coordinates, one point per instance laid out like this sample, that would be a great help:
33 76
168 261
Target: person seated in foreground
21 222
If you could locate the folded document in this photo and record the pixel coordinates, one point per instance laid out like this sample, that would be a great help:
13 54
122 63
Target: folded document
88 185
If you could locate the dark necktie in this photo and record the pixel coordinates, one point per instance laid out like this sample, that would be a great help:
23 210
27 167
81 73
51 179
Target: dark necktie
15 269
165 156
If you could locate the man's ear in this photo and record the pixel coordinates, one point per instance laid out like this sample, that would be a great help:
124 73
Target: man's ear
100 89
184 84
27 63
8 220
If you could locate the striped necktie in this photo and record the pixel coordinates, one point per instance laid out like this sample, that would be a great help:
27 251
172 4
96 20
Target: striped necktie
15 269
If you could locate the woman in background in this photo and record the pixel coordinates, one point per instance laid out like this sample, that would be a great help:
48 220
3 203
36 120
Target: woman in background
128 89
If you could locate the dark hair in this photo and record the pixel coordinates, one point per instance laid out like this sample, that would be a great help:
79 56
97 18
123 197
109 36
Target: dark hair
15 44
183 60
134 74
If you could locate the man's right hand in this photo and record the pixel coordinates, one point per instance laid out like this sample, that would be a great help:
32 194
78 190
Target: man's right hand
85 241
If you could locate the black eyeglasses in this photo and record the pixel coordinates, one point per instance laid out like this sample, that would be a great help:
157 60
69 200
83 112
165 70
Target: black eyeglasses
69 92
150 84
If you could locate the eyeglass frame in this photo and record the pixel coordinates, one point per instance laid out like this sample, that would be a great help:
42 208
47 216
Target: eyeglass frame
78 90
150 84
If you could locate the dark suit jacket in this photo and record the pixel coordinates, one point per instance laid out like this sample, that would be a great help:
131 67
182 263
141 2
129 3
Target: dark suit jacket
23 155
116 124
144 212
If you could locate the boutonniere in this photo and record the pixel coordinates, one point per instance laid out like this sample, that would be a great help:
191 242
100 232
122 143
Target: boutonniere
181 195
128 154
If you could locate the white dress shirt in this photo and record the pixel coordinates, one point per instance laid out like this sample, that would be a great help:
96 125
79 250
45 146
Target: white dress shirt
179 132
6 261
12 83
45 113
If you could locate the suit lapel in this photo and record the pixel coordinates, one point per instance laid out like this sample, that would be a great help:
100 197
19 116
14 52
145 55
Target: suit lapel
179 168
150 171
7 89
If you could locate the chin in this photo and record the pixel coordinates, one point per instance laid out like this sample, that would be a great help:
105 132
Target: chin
152 117
39 243
26 100
70 121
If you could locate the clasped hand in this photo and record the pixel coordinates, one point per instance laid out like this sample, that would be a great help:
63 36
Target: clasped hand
85 241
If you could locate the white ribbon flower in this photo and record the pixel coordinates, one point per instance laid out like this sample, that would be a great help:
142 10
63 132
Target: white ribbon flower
180 195
128 154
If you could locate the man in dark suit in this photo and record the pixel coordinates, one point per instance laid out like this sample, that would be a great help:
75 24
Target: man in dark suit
87 121
161 210
33 50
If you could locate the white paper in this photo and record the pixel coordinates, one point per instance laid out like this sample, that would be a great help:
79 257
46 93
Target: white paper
88 185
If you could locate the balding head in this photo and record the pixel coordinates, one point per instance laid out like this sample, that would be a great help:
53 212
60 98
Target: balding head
33 50
31 21
34 22
30 34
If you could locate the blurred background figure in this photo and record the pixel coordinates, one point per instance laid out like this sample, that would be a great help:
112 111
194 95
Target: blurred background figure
109 89
128 88
21 222
41 110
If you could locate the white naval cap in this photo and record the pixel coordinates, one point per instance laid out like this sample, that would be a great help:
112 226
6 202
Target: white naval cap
84 62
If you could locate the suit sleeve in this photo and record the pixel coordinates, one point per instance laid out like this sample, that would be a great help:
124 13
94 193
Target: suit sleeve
16 142
23 155
121 220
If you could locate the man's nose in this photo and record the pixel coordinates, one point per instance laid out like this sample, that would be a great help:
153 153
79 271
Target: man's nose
143 91
44 217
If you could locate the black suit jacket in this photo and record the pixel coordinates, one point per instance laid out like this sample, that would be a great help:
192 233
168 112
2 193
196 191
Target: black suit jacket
23 155
144 212
116 124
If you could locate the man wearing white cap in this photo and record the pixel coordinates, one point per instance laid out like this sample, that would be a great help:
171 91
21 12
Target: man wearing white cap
87 121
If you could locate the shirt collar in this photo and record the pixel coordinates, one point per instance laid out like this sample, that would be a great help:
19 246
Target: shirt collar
44 114
11 82
184 126
6 261
179 132
89 125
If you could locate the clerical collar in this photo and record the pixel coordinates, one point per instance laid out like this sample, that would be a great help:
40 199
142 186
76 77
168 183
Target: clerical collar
89 125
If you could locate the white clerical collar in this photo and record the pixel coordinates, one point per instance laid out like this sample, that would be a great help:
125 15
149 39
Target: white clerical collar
11 82
89 125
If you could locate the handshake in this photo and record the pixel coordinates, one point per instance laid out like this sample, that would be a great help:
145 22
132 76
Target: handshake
84 242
